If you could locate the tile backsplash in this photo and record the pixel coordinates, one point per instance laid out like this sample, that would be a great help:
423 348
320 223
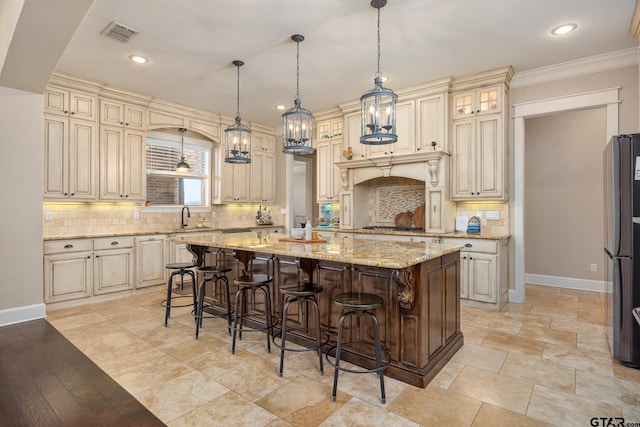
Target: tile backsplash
500 226
82 219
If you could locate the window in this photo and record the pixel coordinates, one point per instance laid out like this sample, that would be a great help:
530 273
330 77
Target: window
167 187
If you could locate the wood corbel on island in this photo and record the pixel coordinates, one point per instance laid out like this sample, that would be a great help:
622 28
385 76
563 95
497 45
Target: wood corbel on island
419 283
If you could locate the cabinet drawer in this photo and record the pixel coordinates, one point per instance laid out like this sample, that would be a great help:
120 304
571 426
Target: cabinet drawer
474 245
112 243
61 246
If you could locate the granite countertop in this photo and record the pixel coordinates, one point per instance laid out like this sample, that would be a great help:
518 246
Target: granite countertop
351 250
457 235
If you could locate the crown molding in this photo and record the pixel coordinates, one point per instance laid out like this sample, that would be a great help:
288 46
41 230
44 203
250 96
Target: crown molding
589 65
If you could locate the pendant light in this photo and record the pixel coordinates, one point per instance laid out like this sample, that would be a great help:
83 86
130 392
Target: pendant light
237 136
182 166
378 106
298 122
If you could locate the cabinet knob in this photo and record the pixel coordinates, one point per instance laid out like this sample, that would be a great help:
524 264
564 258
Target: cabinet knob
88 256
66 194
66 111
73 194
72 113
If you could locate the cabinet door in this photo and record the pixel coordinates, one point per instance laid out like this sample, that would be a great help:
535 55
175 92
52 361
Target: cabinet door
82 106
324 172
262 177
336 172
134 165
464 275
405 119
242 183
67 276
56 145
134 117
462 159
56 101
489 158
112 271
268 177
352 135
111 187
111 113
263 142
482 277
150 261
431 123
227 187
82 160
346 209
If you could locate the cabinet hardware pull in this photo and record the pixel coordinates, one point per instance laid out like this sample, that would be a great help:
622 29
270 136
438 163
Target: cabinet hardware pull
114 243
68 246
88 256
468 245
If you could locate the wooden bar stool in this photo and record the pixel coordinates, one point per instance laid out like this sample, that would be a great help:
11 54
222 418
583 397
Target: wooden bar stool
179 269
359 304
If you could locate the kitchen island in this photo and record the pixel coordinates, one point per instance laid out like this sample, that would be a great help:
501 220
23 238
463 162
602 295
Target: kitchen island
419 283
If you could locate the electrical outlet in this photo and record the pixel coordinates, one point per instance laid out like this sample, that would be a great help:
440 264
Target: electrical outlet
48 216
493 215
594 267
136 215
213 214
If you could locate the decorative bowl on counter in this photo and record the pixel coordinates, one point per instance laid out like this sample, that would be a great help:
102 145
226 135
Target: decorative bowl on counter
298 233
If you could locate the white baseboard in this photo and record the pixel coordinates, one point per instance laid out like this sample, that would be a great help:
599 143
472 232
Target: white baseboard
25 313
565 282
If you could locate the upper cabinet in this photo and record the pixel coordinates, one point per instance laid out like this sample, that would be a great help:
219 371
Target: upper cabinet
70 103
431 123
263 162
405 130
477 102
328 178
478 136
331 128
70 153
235 183
115 113
122 164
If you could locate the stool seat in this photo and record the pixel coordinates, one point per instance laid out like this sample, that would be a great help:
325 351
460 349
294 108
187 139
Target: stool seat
214 269
305 289
253 279
357 300
180 265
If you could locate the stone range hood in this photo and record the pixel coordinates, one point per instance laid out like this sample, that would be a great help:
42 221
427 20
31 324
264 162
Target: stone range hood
424 166
432 168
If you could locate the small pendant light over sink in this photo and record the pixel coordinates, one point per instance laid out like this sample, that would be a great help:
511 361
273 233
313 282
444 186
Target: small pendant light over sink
298 122
237 146
378 106
182 166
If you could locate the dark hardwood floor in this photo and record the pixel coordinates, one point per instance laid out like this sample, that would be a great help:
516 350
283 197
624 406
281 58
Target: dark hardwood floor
46 381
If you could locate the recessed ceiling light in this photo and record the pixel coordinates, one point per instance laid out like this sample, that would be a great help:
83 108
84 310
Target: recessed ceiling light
563 29
280 107
137 59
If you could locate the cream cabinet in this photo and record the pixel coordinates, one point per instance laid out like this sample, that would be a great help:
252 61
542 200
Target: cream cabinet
263 142
150 260
484 273
431 124
113 264
327 129
235 183
263 170
328 178
70 152
122 164
70 103
68 270
352 131
114 113
478 159
405 121
477 102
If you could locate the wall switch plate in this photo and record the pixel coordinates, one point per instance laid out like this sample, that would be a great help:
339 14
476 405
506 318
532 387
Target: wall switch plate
136 215
594 267
493 215
213 214
48 216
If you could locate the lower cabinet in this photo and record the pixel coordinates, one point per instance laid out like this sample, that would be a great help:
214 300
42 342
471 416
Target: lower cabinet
68 270
150 260
113 261
484 274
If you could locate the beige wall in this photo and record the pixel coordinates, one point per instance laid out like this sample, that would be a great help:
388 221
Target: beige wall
563 194
563 174
21 195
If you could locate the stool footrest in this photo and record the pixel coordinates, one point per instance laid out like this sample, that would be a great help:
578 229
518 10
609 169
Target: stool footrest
163 303
323 341
385 362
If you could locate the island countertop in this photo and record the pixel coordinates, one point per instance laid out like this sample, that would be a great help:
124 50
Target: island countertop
349 249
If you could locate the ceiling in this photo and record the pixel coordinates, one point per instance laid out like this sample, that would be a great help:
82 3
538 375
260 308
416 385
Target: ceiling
191 46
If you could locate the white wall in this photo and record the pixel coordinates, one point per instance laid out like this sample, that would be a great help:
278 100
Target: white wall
21 290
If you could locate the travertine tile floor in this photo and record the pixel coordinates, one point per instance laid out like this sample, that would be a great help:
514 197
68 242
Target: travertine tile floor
545 362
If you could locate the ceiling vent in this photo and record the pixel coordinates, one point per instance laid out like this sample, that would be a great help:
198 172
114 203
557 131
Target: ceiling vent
119 32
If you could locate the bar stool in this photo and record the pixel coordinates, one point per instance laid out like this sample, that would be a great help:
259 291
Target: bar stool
303 293
179 268
217 275
250 282
359 304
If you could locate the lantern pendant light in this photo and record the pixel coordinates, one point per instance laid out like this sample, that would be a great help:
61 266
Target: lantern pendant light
237 144
182 167
297 122
378 106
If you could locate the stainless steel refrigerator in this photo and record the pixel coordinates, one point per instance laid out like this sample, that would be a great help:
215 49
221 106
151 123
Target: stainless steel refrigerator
622 246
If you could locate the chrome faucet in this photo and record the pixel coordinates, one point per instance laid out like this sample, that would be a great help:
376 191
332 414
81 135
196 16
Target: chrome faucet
182 223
